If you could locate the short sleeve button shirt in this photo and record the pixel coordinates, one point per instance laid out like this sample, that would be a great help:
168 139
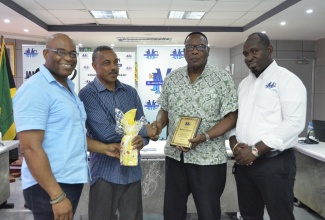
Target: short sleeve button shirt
210 97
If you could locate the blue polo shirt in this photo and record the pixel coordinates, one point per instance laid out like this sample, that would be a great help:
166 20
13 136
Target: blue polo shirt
42 103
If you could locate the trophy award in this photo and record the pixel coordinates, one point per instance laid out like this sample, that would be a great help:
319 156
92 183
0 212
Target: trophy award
187 128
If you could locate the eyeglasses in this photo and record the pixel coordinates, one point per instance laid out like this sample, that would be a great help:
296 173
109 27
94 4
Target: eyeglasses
63 53
200 47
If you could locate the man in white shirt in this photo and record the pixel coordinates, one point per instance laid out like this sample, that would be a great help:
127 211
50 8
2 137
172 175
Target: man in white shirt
272 113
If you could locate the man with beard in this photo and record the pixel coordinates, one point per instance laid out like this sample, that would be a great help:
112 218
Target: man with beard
272 113
113 187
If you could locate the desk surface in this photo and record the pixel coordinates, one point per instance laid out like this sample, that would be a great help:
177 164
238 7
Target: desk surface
8 145
316 151
155 149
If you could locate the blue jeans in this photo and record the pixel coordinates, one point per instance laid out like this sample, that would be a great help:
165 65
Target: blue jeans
38 201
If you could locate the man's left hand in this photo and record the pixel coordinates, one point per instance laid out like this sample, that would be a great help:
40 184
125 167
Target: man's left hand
137 142
243 155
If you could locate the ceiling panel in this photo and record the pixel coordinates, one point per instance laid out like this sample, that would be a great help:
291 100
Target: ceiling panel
148 14
60 4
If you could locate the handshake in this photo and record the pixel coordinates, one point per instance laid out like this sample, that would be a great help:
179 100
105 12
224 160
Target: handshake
153 130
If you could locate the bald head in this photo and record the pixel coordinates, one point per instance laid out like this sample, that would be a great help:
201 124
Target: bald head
57 38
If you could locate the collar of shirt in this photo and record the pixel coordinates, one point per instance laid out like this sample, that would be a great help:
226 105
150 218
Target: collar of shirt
101 87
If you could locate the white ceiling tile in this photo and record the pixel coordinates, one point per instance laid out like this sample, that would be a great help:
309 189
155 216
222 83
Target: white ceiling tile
240 23
28 4
155 5
181 22
234 6
217 22
70 13
105 5
41 13
266 6
146 22
60 4
148 15
224 15
252 15
192 5
51 20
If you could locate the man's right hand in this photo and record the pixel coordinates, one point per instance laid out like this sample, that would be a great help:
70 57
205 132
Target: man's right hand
63 210
113 150
154 130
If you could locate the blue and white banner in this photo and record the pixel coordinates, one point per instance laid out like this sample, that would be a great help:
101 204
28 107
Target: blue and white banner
126 68
154 64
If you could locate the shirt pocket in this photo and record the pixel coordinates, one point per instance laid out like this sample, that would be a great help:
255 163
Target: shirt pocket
267 99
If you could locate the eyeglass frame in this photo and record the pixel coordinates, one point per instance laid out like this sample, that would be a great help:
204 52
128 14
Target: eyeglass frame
196 47
57 51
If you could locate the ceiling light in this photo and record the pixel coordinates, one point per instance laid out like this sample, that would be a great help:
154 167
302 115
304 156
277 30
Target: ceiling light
143 39
7 21
283 23
110 14
112 45
263 32
185 15
80 45
26 30
309 11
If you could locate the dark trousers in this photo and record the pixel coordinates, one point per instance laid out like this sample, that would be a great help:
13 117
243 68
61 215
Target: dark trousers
38 201
205 182
106 198
268 182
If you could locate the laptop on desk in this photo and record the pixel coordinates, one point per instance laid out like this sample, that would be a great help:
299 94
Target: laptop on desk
319 130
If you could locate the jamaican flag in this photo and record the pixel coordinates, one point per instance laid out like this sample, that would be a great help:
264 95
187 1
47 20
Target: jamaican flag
7 92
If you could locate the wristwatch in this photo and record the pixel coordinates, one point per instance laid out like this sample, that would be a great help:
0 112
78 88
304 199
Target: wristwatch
207 137
255 151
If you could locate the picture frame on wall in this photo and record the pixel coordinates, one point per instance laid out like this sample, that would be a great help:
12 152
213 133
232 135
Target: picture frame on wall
11 51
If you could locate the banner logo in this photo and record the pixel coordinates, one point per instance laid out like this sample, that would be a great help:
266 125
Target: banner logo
151 105
31 52
153 54
177 54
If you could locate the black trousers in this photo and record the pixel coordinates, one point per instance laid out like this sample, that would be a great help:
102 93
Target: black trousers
205 182
268 182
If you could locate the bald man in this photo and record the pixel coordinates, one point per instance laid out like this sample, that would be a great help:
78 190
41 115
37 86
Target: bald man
50 121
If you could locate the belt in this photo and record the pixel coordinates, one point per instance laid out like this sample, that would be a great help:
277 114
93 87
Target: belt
270 154
273 153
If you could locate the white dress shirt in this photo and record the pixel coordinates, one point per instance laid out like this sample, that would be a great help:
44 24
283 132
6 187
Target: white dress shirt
272 108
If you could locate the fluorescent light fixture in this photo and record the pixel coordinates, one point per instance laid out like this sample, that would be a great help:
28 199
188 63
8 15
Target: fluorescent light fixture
283 23
7 21
110 14
26 30
309 11
185 15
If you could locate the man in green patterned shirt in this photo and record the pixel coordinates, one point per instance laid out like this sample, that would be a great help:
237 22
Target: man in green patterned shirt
196 90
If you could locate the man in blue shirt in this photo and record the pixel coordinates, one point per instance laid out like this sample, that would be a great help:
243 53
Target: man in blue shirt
50 121
113 187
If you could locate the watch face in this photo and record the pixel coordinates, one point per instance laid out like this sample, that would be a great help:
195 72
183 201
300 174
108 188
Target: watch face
255 152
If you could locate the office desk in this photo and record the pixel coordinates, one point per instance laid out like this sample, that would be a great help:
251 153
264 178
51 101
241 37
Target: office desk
310 178
153 181
4 169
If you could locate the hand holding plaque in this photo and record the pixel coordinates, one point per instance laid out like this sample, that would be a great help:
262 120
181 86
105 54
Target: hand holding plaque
186 129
